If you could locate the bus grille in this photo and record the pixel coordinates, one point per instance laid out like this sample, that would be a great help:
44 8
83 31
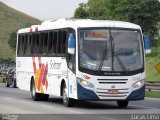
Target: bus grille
104 94
112 81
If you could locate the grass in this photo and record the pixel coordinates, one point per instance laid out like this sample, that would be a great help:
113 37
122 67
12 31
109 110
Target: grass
152 94
1 81
151 61
11 20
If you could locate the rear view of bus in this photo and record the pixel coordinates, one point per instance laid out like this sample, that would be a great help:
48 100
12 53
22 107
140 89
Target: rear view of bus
101 60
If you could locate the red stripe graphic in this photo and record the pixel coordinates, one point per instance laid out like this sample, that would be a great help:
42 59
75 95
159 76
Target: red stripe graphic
40 77
34 64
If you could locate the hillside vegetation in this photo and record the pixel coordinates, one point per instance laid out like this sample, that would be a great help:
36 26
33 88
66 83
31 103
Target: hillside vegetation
11 20
152 74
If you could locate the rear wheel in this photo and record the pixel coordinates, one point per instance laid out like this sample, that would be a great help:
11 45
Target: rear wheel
45 97
68 102
122 104
35 96
6 84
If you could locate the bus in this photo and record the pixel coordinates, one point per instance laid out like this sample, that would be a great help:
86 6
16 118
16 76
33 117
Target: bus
82 59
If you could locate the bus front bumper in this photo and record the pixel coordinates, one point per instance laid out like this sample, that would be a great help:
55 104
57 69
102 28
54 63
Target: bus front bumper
87 94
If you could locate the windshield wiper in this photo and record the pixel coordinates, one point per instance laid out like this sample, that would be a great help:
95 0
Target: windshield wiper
120 62
103 57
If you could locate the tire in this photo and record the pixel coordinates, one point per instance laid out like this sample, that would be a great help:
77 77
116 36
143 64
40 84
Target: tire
67 102
122 104
45 97
14 84
35 96
6 84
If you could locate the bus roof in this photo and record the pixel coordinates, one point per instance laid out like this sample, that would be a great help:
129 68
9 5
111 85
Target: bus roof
77 23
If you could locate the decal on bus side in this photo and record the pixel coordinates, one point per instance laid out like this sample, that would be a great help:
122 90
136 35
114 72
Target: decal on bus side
40 75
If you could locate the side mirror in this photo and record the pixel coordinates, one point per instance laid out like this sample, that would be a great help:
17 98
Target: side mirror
147 44
71 43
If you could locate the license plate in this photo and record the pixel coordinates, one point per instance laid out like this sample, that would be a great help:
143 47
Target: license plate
113 91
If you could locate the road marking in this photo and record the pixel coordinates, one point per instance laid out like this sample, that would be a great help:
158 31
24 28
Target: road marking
77 112
8 98
143 106
152 98
107 118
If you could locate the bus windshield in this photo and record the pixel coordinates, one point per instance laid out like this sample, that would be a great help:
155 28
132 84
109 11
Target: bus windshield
110 50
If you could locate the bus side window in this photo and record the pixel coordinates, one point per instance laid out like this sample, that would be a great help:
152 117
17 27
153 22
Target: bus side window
51 46
71 57
41 42
64 42
37 44
25 43
59 42
19 44
28 51
45 44
34 47
55 39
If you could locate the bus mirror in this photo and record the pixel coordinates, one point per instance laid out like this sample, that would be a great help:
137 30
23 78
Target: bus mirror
71 44
147 44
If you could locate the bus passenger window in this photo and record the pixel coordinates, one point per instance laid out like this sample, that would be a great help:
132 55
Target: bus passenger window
25 43
64 42
45 44
51 46
21 45
54 45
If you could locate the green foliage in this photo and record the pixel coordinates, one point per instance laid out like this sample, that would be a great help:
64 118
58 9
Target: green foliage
145 13
96 9
152 94
12 40
11 20
81 11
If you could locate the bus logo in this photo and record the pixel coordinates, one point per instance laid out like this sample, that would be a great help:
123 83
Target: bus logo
86 77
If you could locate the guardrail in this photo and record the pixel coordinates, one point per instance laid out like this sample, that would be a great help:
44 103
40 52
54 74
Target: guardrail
152 86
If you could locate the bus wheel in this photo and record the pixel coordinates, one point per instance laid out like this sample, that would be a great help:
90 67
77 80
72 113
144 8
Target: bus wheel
68 102
6 84
45 97
14 84
35 96
122 104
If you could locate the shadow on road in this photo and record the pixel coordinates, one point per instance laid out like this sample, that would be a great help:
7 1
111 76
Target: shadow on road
92 104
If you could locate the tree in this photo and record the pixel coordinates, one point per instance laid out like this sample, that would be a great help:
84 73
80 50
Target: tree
12 40
145 13
96 9
81 11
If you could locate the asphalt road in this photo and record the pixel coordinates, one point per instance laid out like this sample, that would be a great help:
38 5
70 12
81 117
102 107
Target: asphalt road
17 102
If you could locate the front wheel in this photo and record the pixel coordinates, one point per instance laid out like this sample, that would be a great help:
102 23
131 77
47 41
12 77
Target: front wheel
35 96
68 102
122 104
14 85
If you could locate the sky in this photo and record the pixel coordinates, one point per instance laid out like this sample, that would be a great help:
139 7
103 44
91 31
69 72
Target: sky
45 9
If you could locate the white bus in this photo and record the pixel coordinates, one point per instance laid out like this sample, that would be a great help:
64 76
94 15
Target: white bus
82 60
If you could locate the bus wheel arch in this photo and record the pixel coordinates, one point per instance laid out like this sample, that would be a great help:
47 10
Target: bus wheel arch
67 102
61 88
34 94
32 80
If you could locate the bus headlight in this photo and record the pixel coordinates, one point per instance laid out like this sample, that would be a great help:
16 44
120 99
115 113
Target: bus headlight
138 84
85 83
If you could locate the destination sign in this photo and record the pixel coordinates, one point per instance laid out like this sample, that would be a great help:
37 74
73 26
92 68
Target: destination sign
96 35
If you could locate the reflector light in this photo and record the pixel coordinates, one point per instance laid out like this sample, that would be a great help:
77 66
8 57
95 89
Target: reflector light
30 29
